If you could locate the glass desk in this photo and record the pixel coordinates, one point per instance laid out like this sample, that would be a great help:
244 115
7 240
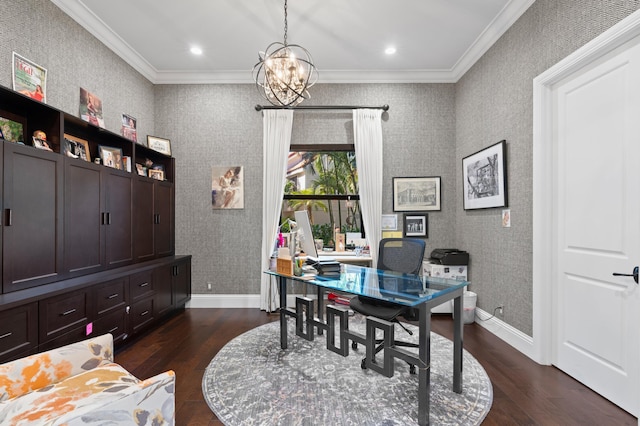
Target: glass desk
421 293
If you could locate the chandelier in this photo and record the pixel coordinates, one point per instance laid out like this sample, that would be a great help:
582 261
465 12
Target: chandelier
284 72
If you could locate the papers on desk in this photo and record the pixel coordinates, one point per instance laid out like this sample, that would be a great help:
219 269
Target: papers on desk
324 266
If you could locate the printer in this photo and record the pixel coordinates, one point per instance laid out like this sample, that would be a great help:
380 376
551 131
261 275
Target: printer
443 256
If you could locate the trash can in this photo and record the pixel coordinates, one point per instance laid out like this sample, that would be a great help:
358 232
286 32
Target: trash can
469 300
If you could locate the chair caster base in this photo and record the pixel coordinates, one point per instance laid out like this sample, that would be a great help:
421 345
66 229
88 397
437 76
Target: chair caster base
354 345
412 369
363 364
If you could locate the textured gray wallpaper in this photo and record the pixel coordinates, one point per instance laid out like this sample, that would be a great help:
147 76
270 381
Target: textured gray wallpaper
494 101
427 132
217 125
42 33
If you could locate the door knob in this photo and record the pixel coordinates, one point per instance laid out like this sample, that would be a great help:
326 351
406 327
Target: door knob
634 275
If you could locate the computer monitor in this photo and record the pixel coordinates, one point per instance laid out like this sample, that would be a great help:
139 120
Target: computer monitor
305 234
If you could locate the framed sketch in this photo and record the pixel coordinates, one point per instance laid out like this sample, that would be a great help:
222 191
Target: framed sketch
389 222
161 145
111 157
416 194
484 178
76 148
156 174
227 187
415 225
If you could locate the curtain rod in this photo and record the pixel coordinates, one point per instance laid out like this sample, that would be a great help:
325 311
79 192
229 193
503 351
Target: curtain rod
320 107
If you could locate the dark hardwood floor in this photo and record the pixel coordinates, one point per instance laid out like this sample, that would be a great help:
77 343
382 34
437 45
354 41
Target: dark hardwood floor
524 393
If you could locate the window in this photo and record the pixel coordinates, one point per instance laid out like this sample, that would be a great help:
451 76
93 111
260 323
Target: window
324 181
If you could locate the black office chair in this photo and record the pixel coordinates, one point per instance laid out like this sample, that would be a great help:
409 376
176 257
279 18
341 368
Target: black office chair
403 255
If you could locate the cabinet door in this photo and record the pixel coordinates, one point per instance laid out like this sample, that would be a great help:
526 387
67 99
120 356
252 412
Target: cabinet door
144 219
181 283
164 217
117 217
162 282
32 237
83 231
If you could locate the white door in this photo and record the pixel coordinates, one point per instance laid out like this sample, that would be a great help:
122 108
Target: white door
597 225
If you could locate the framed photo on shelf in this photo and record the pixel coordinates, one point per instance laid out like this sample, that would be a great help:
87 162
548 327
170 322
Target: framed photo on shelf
76 148
416 194
12 130
161 145
415 225
142 170
156 174
484 178
111 157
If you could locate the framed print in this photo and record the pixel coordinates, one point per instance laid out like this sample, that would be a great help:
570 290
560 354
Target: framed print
29 78
484 178
163 146
111 157
416 194
156 174
227 187
11 129
129 128
76 148
415 225
91 108
389 222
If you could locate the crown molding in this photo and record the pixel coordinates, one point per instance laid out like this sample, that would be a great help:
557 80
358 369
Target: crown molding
98 28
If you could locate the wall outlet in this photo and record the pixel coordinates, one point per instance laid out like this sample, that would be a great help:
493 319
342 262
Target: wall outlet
209 285
500 309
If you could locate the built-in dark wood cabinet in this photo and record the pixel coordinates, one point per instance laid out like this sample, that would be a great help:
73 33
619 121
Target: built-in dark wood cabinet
86 249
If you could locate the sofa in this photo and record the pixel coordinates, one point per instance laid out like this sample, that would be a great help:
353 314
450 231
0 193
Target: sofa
79 384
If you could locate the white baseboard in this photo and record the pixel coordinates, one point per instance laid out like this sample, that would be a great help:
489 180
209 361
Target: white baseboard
501 329
512 336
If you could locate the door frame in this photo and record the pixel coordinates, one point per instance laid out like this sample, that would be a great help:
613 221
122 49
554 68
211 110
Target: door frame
544 170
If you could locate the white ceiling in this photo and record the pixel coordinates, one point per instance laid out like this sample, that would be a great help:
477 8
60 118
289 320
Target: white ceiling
436 40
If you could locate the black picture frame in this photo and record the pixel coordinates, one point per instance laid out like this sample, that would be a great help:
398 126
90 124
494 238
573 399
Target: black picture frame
415 225
484 178
417 194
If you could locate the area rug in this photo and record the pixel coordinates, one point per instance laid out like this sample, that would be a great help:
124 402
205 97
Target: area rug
252 381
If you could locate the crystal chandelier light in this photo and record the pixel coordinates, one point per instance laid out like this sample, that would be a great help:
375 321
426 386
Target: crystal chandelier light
284 72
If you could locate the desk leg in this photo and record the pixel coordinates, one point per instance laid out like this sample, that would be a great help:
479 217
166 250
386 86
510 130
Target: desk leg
283 308
458 327
320 307
424 374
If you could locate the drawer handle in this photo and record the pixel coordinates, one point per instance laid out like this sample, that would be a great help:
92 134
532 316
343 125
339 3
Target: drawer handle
144 313
113 296
144 284
113 329
6 335
69 312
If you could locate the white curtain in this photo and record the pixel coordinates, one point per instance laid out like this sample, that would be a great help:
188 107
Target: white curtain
367 136
276 139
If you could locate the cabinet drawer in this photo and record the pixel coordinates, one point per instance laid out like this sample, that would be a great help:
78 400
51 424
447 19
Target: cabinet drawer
141 285
110 296
141 314
18 331
60 314
74 335
114 323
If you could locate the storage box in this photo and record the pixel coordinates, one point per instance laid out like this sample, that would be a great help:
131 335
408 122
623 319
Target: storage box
284 266
456 272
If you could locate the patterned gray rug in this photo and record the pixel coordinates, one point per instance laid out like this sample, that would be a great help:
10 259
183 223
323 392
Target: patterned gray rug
251 381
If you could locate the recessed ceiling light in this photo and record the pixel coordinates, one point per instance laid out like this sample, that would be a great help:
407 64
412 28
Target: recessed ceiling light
390 50
196 50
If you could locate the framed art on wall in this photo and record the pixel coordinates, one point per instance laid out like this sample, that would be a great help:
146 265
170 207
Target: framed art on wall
416 194
227 187
415 225
389 222
484 178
